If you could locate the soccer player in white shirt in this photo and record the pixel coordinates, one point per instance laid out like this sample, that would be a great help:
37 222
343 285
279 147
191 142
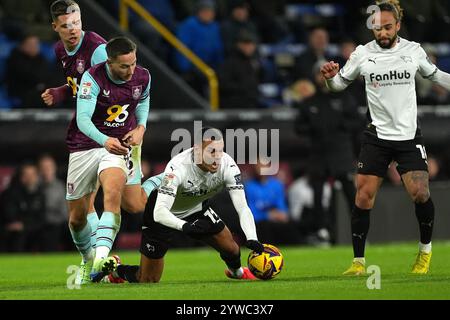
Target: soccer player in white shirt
388 65
191 178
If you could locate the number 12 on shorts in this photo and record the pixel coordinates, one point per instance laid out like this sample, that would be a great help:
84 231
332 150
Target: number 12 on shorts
422 151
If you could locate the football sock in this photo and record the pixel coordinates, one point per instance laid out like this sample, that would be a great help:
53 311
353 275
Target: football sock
128 273
152 183
360 260
360 228
425 247
82 240
237 272
425 217
93 220
107 229
233 263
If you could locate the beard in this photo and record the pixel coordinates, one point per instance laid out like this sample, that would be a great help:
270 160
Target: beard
387 45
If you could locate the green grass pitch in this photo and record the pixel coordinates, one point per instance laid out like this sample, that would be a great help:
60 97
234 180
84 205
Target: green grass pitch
309 273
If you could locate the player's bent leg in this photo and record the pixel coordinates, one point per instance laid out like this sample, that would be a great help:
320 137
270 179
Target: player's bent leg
134 198
417 186
150 270
366 190
230 253
112 180
77 213
81 235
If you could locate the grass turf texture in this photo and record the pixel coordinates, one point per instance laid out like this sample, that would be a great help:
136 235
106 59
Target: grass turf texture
309 273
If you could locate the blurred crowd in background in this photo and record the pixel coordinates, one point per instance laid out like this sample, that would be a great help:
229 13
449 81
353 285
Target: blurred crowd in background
267 54
264 51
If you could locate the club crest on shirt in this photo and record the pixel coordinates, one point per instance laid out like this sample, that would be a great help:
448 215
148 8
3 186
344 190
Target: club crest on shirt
80 66
70 188
136 92
406 59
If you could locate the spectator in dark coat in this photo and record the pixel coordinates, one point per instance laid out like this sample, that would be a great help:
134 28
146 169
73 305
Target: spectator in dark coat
330 120
201 34
55 215
238 20
239 75
27 73
315 52
23 211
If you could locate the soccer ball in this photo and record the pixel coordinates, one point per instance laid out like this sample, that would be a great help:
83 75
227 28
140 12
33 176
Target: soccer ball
266 265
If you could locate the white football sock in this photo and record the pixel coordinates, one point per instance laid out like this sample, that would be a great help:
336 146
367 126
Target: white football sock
425 247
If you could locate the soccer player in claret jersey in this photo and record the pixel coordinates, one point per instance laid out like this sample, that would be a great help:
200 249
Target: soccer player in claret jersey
77 51
191 178
389 65
112 110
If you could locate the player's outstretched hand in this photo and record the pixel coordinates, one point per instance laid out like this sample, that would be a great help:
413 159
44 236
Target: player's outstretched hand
114 146
255 245
195 228
329 69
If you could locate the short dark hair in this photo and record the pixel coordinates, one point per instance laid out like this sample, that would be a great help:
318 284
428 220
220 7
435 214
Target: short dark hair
63 7
119 46
206 134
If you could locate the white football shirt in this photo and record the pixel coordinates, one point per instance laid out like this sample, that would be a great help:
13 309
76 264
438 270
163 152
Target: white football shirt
191 186
185 187
390 86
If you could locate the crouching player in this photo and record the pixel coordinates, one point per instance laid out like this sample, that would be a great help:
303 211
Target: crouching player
191 178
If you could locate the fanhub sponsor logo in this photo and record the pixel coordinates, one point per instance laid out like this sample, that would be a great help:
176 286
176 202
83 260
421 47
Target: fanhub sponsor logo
392 75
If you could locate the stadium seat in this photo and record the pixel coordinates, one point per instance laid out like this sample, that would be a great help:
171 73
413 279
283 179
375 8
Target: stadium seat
48 52
295 11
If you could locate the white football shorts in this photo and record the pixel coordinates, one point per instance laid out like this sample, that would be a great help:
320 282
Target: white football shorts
85 167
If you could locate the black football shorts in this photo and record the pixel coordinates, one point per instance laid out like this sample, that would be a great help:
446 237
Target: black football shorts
156 237
377 154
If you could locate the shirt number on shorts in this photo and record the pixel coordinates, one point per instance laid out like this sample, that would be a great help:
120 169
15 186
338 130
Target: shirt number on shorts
422 151
212 216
